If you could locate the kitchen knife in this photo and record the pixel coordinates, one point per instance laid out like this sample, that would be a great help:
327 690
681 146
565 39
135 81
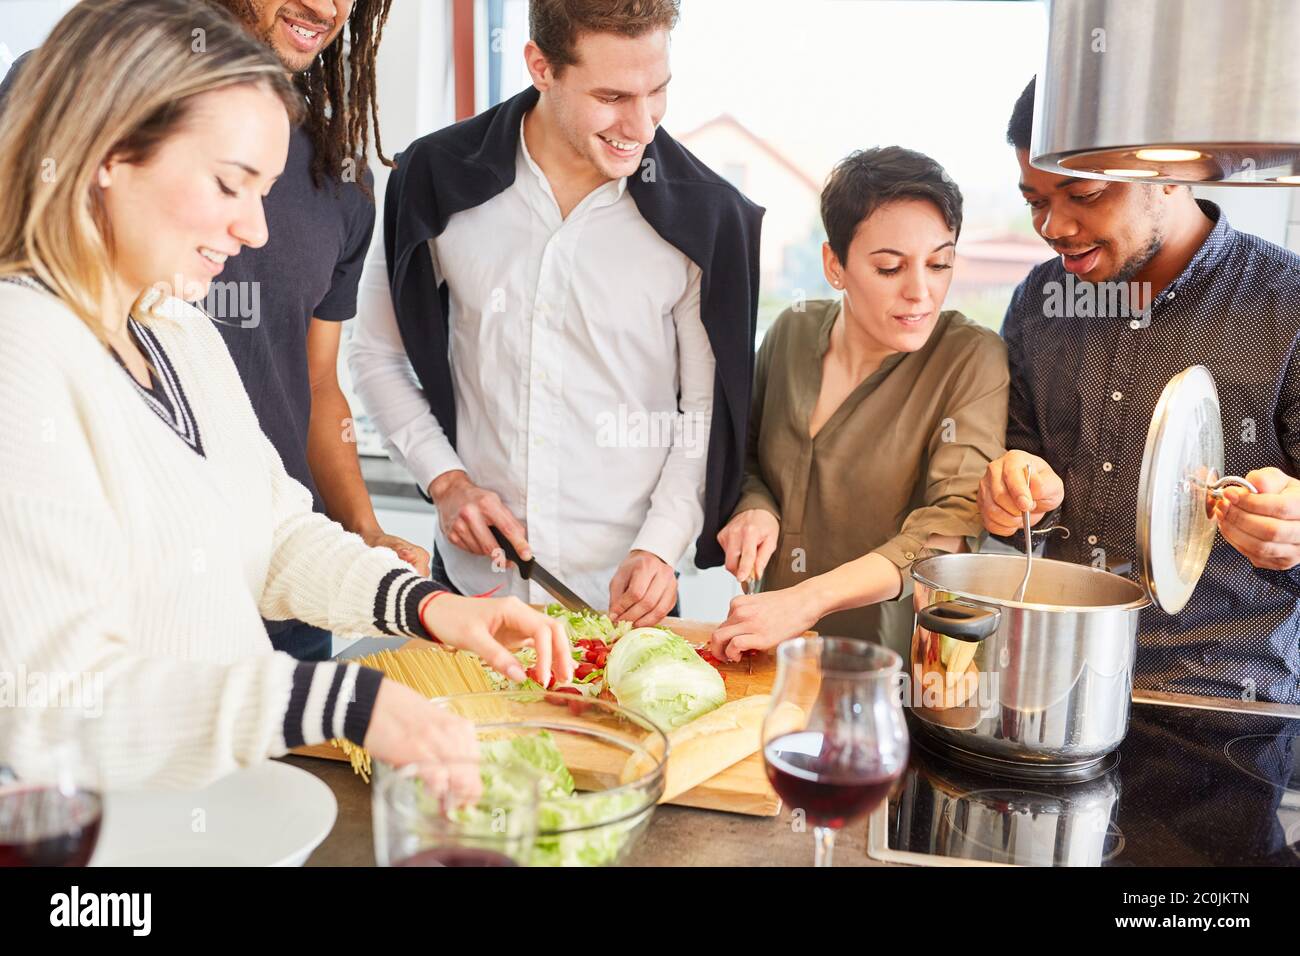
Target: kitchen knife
530 570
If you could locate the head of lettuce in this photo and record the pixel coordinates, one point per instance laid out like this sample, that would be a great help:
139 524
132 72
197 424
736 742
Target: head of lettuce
656 673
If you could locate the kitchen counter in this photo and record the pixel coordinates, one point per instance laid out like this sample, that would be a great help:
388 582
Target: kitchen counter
1206 781
677 836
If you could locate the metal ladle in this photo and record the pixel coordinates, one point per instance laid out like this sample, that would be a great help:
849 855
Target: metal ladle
1029 542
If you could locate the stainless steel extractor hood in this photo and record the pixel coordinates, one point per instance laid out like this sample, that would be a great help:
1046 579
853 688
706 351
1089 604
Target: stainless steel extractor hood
1173 91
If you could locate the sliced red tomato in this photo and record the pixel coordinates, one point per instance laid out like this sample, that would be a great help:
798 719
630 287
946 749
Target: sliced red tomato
576 707
705 653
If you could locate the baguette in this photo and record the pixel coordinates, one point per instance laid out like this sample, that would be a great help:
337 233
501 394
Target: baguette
712 743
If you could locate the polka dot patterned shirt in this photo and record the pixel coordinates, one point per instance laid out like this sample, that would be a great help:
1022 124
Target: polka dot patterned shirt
1085 379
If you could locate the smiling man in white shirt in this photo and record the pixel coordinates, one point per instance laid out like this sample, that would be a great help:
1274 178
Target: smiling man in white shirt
541 275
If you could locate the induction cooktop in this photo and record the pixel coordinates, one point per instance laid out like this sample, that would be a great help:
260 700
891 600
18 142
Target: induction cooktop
1197 782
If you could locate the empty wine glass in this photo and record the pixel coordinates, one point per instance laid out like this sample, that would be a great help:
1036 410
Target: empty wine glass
834 738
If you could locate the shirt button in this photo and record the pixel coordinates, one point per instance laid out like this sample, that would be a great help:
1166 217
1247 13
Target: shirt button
1107 466
538 442
909 555
1092 539
1134 324
1117 395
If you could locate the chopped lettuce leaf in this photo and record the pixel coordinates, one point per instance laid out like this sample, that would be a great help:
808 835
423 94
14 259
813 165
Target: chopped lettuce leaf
597 846
527 657
537 752
560 808
586 625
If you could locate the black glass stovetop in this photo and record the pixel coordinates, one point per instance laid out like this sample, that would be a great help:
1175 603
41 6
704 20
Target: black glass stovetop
1191 787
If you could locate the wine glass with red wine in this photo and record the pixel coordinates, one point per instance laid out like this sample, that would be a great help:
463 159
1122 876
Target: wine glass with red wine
451 814
834 738
49 816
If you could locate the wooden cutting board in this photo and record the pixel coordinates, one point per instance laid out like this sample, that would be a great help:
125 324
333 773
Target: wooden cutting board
741 788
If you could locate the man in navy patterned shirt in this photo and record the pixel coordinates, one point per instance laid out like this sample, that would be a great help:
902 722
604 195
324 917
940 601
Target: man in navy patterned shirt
1149 280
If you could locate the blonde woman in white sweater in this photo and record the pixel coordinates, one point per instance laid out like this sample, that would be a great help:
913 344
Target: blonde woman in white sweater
146 524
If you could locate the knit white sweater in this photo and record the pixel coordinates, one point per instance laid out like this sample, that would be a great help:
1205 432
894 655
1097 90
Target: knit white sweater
140 570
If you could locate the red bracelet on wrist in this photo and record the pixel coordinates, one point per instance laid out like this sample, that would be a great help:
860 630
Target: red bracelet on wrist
429 599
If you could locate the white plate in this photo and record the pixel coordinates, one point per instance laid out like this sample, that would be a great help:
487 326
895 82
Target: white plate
271 814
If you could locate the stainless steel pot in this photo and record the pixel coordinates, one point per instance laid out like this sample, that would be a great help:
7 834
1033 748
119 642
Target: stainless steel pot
1046 680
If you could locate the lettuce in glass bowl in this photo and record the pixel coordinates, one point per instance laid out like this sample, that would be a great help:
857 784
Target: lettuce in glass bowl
601 768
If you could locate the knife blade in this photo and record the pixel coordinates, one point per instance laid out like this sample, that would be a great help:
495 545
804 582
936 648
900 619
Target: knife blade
530 570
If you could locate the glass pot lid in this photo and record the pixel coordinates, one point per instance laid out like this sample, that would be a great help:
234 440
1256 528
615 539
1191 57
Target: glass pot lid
1182 476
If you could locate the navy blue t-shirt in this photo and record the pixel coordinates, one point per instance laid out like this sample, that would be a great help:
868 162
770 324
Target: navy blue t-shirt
264 300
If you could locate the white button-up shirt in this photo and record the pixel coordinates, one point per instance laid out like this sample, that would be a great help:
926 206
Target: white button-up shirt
582 373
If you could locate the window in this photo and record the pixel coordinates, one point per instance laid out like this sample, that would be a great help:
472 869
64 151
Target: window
772 108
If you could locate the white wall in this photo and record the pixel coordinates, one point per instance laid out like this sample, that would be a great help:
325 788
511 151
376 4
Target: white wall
415 88
1293 225
24 24
416 94
1265 211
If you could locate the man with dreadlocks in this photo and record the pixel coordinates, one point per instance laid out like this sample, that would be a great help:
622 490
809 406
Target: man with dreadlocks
321 218
576 294
280 307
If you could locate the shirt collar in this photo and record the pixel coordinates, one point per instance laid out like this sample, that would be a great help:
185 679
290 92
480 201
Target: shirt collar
609 192
1209 255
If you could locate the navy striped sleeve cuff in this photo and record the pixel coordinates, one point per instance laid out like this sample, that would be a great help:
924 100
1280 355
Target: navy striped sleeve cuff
397 604
329 700
364 693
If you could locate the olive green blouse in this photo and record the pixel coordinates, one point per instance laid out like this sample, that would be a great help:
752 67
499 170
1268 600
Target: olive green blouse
899 460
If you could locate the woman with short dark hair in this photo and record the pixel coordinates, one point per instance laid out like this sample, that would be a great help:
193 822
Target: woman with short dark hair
873 418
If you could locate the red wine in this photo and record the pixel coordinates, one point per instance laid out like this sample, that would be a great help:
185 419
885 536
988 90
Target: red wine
44 826
831 785
457 856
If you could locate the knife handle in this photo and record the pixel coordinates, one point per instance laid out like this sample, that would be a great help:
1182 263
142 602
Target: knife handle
525 567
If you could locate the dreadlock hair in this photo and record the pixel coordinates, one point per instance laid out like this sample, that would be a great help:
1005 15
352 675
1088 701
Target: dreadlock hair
342 98
340 94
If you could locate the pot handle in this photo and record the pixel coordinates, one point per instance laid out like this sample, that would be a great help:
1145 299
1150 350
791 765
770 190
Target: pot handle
959 620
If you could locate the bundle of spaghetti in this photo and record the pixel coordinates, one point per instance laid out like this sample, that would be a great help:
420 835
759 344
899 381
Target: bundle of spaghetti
431 672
